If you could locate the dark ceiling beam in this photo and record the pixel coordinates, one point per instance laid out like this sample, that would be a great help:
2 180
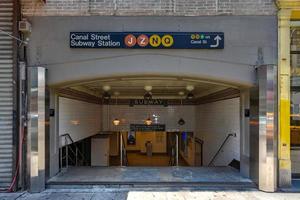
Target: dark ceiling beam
228 93
78 95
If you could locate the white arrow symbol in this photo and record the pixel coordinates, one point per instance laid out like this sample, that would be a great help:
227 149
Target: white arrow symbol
217 39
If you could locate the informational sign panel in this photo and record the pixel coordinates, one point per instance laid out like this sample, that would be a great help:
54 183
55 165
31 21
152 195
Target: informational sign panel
144 127
148 40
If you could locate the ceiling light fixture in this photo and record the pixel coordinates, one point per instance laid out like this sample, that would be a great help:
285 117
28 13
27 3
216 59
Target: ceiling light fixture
116 121
148 88
181 93
106 96
148 94
106 88
148 121
190 94
181 120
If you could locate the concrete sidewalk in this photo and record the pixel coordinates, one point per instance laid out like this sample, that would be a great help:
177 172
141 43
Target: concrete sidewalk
147 194
100 175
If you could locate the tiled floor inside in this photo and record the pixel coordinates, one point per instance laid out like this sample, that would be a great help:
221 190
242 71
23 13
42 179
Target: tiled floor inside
141 159
101 175
156 160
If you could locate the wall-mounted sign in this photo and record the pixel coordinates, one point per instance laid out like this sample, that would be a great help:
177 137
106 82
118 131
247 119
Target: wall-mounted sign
159 102
144 127
51 112
148 40
131 138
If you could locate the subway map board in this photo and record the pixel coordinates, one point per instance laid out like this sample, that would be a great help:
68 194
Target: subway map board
148 40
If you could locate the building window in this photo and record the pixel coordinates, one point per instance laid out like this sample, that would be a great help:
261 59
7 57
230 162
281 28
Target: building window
295 86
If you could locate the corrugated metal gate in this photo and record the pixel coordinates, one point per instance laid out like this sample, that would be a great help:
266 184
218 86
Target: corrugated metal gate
6 93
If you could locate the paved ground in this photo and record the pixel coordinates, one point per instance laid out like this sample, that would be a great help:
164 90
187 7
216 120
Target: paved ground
150 175
147 194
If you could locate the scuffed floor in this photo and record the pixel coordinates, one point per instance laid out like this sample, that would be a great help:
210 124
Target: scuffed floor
101 175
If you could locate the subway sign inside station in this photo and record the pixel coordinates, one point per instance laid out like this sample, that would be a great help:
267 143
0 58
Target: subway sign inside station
148 40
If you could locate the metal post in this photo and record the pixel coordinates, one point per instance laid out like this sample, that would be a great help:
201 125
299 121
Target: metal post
267 81
121 149
36 129
61 157
76 158
202 154
22 121
177 149
67 153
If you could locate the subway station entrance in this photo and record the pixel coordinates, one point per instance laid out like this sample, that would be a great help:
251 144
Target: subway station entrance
148 130
197 108
153 130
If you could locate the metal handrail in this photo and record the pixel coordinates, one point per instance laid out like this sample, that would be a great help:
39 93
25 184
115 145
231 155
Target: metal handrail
67 146
172 159
124 150
221 147
201 142
72 141
67 135
198 140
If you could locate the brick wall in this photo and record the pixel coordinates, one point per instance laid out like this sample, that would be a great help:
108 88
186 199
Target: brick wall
147 7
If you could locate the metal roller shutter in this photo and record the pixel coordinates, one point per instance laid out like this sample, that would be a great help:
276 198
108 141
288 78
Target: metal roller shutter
6 93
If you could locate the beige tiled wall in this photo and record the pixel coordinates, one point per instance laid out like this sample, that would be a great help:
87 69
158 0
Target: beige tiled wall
79 119
210 122
137 114
214 121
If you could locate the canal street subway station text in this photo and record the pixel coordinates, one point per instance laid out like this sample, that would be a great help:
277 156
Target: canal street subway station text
89 40
173 40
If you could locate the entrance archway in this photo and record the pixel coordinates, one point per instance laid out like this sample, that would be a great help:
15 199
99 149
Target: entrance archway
211 123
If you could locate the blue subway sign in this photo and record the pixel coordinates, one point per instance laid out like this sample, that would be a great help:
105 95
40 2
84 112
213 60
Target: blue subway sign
148 40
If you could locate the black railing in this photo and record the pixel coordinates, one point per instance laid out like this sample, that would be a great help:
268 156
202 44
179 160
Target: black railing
70 147
200 142
221 147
